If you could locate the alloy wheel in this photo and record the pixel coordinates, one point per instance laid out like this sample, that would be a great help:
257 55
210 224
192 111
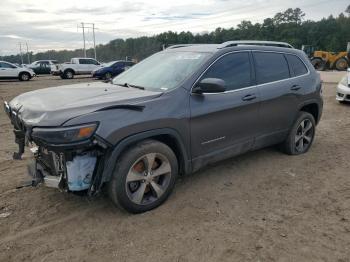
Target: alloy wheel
69 75
148 178
304 135
25 77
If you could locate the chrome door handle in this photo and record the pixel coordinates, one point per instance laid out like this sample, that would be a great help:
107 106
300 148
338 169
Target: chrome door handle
249 97
295 87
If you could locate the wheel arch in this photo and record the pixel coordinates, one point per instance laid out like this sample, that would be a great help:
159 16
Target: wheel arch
168 136
24 72
313 108
69 69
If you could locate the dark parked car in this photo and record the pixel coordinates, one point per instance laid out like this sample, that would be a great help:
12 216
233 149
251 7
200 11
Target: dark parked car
42 66
111 69
173 113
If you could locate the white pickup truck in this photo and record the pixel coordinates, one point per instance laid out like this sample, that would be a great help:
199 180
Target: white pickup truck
77 66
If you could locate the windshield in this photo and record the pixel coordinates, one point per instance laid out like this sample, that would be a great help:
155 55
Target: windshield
162 71
109 64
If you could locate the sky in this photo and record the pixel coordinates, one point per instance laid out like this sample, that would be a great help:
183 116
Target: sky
53 24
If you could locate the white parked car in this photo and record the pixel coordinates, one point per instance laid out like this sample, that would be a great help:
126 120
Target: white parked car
9 70
77 66
343 89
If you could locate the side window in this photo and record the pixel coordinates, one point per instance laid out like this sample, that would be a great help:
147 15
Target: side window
6 65
297 67
44 64
93 62
83 61
270 67
233 68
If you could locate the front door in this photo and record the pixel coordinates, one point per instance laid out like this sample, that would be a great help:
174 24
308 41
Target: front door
8 70
224 124
44 67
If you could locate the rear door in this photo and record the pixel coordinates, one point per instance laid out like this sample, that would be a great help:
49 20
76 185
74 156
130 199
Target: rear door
224 124
279 97
84 66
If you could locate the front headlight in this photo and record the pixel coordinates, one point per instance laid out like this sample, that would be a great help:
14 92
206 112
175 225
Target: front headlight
344 81
64 135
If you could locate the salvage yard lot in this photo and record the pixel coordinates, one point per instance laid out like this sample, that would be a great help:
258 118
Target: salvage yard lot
262 206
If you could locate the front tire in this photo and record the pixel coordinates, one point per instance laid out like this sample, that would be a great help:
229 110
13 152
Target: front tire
24 76
144 177
301 135
107 76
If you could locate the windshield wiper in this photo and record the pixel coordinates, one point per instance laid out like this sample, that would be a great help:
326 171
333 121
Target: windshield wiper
128 85
134 86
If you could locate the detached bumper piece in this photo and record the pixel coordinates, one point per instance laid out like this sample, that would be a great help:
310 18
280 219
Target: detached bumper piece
19 131
20 139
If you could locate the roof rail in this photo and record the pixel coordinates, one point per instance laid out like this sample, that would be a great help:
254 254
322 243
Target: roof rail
255 42
178 46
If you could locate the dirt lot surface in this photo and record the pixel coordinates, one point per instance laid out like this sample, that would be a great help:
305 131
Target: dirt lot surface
262 206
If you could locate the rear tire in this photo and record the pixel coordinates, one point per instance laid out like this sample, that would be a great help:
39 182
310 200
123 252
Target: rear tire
68 74
24 76
341 64
144 176
301 135
318 64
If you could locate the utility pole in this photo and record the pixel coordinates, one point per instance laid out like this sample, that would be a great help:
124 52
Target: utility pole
93 33
28 53
20 52
83 26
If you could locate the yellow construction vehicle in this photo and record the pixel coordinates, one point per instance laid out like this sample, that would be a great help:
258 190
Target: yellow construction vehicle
323 60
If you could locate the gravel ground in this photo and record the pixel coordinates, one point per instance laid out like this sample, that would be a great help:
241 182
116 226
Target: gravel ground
262 206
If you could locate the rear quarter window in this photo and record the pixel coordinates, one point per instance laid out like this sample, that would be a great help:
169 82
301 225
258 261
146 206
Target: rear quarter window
297 67
270 67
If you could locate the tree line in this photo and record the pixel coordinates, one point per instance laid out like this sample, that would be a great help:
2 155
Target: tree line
330 34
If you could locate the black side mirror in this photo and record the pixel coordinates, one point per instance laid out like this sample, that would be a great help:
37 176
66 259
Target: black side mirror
209 85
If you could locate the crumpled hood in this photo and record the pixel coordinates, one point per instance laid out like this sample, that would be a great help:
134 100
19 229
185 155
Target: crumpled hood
53 106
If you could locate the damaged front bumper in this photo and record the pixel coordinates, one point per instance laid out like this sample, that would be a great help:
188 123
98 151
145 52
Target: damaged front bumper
70 166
